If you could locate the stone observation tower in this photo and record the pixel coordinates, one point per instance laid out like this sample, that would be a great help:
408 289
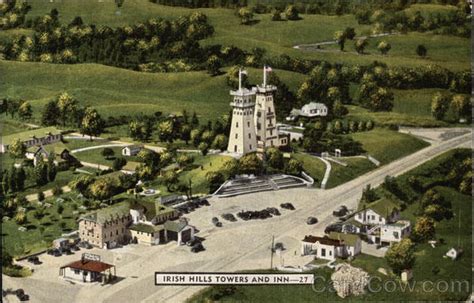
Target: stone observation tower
242 138
265 118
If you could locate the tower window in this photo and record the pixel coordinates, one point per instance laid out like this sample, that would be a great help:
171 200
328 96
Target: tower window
248 123
250 146
236 136
236 124
235 148
250 136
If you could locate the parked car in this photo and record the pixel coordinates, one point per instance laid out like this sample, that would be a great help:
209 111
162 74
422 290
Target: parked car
218 224
57 253
274 211
197 248
204 202
287 206
67 251
193 242
311 220
278 246
229 217
24 298
75 248
214 220
340 211
84 244
35 260
333 227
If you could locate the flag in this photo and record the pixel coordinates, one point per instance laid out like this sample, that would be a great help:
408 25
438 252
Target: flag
268 69
243 72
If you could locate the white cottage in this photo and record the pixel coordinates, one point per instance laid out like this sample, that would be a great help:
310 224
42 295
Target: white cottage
395 232
131 150
380 212
332 246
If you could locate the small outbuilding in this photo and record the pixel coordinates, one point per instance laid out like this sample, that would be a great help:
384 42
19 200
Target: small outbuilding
454 253
131 150
88 270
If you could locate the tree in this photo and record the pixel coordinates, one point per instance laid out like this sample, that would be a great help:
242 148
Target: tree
60 209
291 13
400 256
118 163
360 45
439 105
137 130
294 167
145 172
368 195
245 15
186 133
57 191
165 131
369 125
51 167
204 148
24 111
421 50
92 123
213 65
81 184
184 160
339 110
17 149
350 33
220 142
107 153
461 106
50 114
215 179
67 105
251 164
384 47
232 167
40 196
381 100
101 189
276 15
274 158
170 178
424 229
340 39
20 217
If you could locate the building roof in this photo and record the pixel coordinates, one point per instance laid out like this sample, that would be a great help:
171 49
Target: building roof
146 228
89 265
314 105
175 226
23 136
349 239
57 148
103 215
150 208
383 207
134 146
323 240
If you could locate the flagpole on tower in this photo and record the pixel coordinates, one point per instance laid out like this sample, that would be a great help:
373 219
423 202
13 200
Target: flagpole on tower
264 75
240 79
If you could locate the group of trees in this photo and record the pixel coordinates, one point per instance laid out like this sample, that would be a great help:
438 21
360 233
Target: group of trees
16 107
13 15
102 188
459 105
450 22
156 40
328 85
318 139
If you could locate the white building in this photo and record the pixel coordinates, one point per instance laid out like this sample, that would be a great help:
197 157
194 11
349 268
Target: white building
242 138
309 110
40 136
395 232
131 150
329 248
382 211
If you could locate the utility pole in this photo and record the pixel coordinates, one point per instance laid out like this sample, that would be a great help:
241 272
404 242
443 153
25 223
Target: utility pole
271 256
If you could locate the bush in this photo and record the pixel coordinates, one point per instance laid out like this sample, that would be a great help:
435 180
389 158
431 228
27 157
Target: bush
57 191
118 163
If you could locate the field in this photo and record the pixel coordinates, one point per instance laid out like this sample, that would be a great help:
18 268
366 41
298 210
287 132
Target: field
276 37
386 145
342 174
114 91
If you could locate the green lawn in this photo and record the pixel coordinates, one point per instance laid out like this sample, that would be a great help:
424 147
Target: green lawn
197 175
342 174
115 91
62 179
94 156
72 144
312 166
10 126
387 145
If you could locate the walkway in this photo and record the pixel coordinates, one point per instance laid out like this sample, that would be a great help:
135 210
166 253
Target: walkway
327 173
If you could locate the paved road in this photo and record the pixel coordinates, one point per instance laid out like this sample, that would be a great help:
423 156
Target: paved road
236 246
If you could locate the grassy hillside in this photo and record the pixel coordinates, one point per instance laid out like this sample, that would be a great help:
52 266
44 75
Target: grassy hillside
115 91
387 145
276 37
